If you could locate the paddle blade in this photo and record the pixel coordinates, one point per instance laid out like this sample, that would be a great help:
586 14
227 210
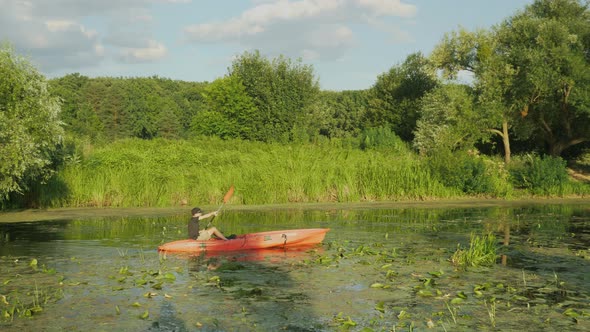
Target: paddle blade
229 194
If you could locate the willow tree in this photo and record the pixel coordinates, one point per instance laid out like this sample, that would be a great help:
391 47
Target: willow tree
476 52
548 45
532 70
30 130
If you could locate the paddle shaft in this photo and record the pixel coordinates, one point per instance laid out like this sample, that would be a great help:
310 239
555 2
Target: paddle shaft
226 198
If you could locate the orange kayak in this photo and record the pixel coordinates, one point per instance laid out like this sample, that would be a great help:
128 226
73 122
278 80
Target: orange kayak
263 240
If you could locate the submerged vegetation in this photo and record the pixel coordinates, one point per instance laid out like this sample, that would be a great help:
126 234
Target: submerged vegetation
378 270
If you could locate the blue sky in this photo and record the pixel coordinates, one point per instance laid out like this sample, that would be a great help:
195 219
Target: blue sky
348 42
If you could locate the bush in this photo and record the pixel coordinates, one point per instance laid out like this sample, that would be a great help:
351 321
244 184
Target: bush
542 175
463 171
382 138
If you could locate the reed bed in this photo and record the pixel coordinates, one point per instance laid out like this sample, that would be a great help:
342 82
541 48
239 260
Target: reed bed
161 173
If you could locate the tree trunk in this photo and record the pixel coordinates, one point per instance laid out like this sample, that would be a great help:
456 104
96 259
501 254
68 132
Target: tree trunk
506 141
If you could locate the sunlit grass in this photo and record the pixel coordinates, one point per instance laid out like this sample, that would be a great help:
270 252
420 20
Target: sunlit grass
162 173
481 252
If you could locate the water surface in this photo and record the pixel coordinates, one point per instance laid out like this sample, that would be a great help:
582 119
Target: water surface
381 268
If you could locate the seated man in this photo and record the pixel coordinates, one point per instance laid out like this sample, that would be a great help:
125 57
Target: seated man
204 234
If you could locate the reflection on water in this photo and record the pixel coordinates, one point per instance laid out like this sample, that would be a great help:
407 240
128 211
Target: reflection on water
379 268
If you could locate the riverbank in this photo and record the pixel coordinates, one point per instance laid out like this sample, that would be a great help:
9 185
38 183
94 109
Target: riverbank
33 215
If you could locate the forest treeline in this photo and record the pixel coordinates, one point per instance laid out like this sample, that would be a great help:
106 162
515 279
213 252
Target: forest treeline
526 96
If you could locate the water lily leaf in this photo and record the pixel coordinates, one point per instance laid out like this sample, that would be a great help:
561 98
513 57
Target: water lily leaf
136 304
380 307
462 295
436 274
403 315
571 313
457 300
170 276
427 281
377 285
145 315
140 282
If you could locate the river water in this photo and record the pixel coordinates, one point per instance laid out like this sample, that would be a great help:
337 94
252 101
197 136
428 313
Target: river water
382 267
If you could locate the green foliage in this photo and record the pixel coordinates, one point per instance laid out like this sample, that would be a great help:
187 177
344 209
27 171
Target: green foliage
282 91
337 114
229 111
394 98
106 108
382 138
448 121
548 44
468 172
481 252
542 175
29 126
164 173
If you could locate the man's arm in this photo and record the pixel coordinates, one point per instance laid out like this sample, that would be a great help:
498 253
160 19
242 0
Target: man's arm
209 215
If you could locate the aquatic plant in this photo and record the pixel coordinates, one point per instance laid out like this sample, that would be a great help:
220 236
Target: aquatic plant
481 252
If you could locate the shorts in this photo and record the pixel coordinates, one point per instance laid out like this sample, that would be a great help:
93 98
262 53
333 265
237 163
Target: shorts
205 234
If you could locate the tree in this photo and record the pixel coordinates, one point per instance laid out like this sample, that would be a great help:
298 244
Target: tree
76 113
30 130
282 91
338 114
448 120
531 72
549 45
395 97
477 53
229 111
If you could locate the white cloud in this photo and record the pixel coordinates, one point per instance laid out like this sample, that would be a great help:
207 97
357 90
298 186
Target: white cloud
151 52
318 29
388 7
55 33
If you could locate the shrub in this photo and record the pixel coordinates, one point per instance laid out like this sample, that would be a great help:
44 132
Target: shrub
463 171
542 175
382 138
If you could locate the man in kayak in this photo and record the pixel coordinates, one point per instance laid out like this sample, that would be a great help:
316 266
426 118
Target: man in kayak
205 234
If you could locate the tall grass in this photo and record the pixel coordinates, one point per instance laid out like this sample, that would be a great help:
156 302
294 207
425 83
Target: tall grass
481 252
162 173
159 172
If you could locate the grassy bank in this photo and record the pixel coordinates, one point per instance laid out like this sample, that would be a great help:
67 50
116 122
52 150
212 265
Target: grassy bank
163 173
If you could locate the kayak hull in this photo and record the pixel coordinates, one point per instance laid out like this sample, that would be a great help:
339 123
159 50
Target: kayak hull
262 240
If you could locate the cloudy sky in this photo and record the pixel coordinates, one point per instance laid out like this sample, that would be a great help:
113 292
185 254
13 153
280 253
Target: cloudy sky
348 42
